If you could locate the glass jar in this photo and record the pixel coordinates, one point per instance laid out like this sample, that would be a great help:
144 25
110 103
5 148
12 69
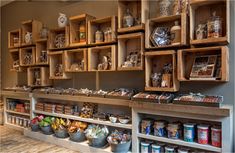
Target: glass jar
128 19
99 36
214 27
165 9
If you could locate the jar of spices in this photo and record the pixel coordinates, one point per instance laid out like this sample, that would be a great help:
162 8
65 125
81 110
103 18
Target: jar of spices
214 27
203 134
99 36
176 34
189 132
146 126
82 32
159 128
174 131
216 136
145 147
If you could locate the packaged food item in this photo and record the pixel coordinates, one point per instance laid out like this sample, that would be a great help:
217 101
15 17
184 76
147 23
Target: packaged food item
216 136
174 130
183 150
145 147
214 27
146 126
170 149
160 128
189 132
158 147
203 134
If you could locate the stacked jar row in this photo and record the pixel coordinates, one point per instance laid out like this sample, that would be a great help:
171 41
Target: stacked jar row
20 121
189 132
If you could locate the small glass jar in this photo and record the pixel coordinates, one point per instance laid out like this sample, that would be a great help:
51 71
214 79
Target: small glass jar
82 32
128 19
99 36
214 27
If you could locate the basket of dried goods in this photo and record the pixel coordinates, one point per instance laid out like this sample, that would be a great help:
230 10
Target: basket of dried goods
60 126
76 131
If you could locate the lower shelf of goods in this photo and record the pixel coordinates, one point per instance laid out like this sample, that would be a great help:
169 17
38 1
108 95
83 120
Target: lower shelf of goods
17 121
79 136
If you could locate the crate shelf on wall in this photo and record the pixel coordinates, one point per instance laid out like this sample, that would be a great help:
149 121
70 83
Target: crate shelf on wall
54 34
168 21
15 60
154 62
32 26
77 57
56 58
43 79
95 55
41 45
102 24
128 43
186 59
14 38
201 11
75 31
137 8
30 51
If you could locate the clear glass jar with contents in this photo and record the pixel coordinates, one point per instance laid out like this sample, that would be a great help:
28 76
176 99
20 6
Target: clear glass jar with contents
214 27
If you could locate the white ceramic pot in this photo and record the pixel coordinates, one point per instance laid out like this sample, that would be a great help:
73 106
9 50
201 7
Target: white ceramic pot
62 20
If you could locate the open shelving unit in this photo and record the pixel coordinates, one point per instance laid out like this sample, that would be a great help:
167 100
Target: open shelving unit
56 35
15 60
14 38
27 51
43 77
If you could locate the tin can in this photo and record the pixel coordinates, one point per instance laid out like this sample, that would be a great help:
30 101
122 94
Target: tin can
159 128
189 132
183 150
158 147
146 126
145 147
170 149
174 131
203 134
216 136
17 121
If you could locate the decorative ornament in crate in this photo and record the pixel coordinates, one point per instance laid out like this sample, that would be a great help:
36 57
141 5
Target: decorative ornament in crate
161 36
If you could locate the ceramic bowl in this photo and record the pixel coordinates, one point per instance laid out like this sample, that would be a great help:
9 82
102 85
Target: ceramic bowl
113 119
124 120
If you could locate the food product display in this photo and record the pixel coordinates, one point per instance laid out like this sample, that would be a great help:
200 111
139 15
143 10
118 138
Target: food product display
34 123
121 93
19 88
16 120
60 126
170 148
87 111
152 97
76 131
18 105
45 125
99 93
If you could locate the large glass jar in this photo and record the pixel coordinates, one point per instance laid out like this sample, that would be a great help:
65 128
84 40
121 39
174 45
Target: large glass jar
214 27
128 19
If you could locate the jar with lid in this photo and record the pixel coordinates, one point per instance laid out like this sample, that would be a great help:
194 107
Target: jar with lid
214 26
128 19
146 126
145 147
159 128
174 130
176 34
157 147
99 36
203 134
82 32
216 136
189 132
170 149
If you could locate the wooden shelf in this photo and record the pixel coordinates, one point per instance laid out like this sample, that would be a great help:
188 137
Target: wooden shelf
96 54
154 62
127 44
41 45
14 34
80 147
19 113
32 26
168 21
78 23
15 127
180 142
77 56
222 9
186 59
53 33
22 54
137 9
16 94
15 60
43 78
88 120
102 24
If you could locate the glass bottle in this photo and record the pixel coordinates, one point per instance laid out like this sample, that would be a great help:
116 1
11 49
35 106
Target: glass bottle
214 27
128 19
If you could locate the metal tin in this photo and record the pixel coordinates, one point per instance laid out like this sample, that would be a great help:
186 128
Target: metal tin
216 136
174 131
146 126
203 134
189 132
160 128
145 147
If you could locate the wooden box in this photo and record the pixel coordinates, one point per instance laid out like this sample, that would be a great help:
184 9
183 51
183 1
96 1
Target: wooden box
14 38
32 26
186 59
56 58
76 57
43 78
41 45
79 28
138 9
127 44
168 21
154 62
201 11
96 54
15 60
27 51
55 34
104 24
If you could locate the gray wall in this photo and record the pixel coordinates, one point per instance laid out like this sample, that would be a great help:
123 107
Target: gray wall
47 12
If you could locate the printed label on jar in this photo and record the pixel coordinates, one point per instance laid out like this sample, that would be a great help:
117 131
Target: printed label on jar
203 135
215 136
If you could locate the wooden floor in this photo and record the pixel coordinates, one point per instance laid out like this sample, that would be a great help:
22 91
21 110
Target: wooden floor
12 141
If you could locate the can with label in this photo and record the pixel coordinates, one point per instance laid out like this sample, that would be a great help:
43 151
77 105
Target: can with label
203 134
189 132
145 147
216 136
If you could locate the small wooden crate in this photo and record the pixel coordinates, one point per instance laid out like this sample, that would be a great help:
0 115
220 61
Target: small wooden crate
40 46
23 52
74 29
14 38
52 36
137 8
54 59
168 21
128 43
14 56
200 13
74 57
32 26
159 58
186 58
44 76
95 55
102 25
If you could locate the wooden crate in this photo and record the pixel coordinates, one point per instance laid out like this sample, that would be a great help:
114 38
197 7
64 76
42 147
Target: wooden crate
32 26
44 77
186 59
54 59
95 55
41 45
168 21
14 56
75 57
128 43
75 22
102 25
138 8
200 13
24 52
14 38
154 62
52 36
